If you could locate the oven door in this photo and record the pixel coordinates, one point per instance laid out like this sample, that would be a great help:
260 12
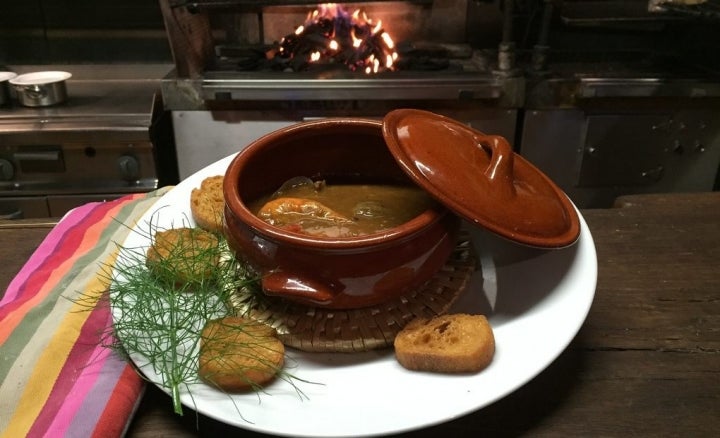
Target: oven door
46 175
203 137
51 206
23 207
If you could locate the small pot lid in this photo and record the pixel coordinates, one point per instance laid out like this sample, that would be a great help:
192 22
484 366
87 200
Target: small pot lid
40 78
481 179
6 75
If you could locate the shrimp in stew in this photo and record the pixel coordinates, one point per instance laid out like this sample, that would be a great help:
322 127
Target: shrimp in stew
340 210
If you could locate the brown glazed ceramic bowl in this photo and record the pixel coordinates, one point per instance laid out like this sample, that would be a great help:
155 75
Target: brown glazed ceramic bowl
341 273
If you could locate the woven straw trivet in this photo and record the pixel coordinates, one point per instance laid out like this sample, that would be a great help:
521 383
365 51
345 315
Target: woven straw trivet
354 330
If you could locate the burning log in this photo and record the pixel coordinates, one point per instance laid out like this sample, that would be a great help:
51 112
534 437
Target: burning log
331 35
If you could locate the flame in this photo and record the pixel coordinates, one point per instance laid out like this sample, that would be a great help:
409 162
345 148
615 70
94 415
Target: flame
377 27
356 42
332 35
388 42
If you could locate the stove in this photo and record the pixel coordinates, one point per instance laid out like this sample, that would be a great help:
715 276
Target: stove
102 143
234 51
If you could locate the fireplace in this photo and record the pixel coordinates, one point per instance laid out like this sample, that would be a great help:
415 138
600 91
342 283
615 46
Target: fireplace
244 67
607 97
262 50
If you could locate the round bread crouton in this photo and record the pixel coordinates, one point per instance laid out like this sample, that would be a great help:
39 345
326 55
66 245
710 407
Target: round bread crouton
239 354
454 343
207 204
184 255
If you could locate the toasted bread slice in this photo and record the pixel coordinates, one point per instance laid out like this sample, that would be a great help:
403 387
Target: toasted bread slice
207 204
184 255
239 354
455 343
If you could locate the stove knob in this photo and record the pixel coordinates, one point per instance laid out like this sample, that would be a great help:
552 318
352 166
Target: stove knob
129 167
7 170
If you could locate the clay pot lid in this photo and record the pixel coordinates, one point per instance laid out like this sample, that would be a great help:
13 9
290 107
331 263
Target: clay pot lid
481 179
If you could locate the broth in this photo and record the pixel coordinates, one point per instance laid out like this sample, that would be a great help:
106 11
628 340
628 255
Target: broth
340 210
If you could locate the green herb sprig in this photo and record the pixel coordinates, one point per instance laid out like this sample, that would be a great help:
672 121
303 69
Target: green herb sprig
157 320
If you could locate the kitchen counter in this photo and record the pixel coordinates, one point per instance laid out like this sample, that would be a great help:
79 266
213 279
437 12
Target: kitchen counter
645 363
99 96
110 137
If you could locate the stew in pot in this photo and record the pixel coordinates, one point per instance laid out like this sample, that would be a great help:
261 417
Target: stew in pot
340 210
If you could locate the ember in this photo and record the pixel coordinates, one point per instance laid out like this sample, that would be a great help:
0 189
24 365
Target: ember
331 35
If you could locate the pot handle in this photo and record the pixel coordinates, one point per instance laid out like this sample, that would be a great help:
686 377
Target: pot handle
499 172
297 287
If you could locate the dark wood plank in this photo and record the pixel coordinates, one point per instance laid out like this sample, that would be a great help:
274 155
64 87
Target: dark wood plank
658 274
582 393
645 363
17 243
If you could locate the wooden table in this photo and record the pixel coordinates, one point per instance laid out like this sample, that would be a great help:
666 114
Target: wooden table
645 363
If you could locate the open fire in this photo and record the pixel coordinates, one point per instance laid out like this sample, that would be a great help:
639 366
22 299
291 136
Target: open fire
331 35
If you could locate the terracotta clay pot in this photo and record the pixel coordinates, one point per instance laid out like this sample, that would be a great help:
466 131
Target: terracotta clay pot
340 273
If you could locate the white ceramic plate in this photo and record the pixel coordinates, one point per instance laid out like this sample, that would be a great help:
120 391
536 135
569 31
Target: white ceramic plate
536 301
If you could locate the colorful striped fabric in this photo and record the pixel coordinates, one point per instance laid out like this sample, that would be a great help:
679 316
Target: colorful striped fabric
56 379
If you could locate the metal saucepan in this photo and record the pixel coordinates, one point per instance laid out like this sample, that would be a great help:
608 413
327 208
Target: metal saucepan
5 76
42 88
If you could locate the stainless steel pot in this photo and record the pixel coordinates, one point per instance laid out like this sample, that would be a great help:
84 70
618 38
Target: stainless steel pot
5 77
42 88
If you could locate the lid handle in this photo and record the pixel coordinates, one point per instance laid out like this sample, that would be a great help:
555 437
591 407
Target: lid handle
500 169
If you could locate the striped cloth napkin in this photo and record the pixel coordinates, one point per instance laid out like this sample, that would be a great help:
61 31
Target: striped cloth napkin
56 379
